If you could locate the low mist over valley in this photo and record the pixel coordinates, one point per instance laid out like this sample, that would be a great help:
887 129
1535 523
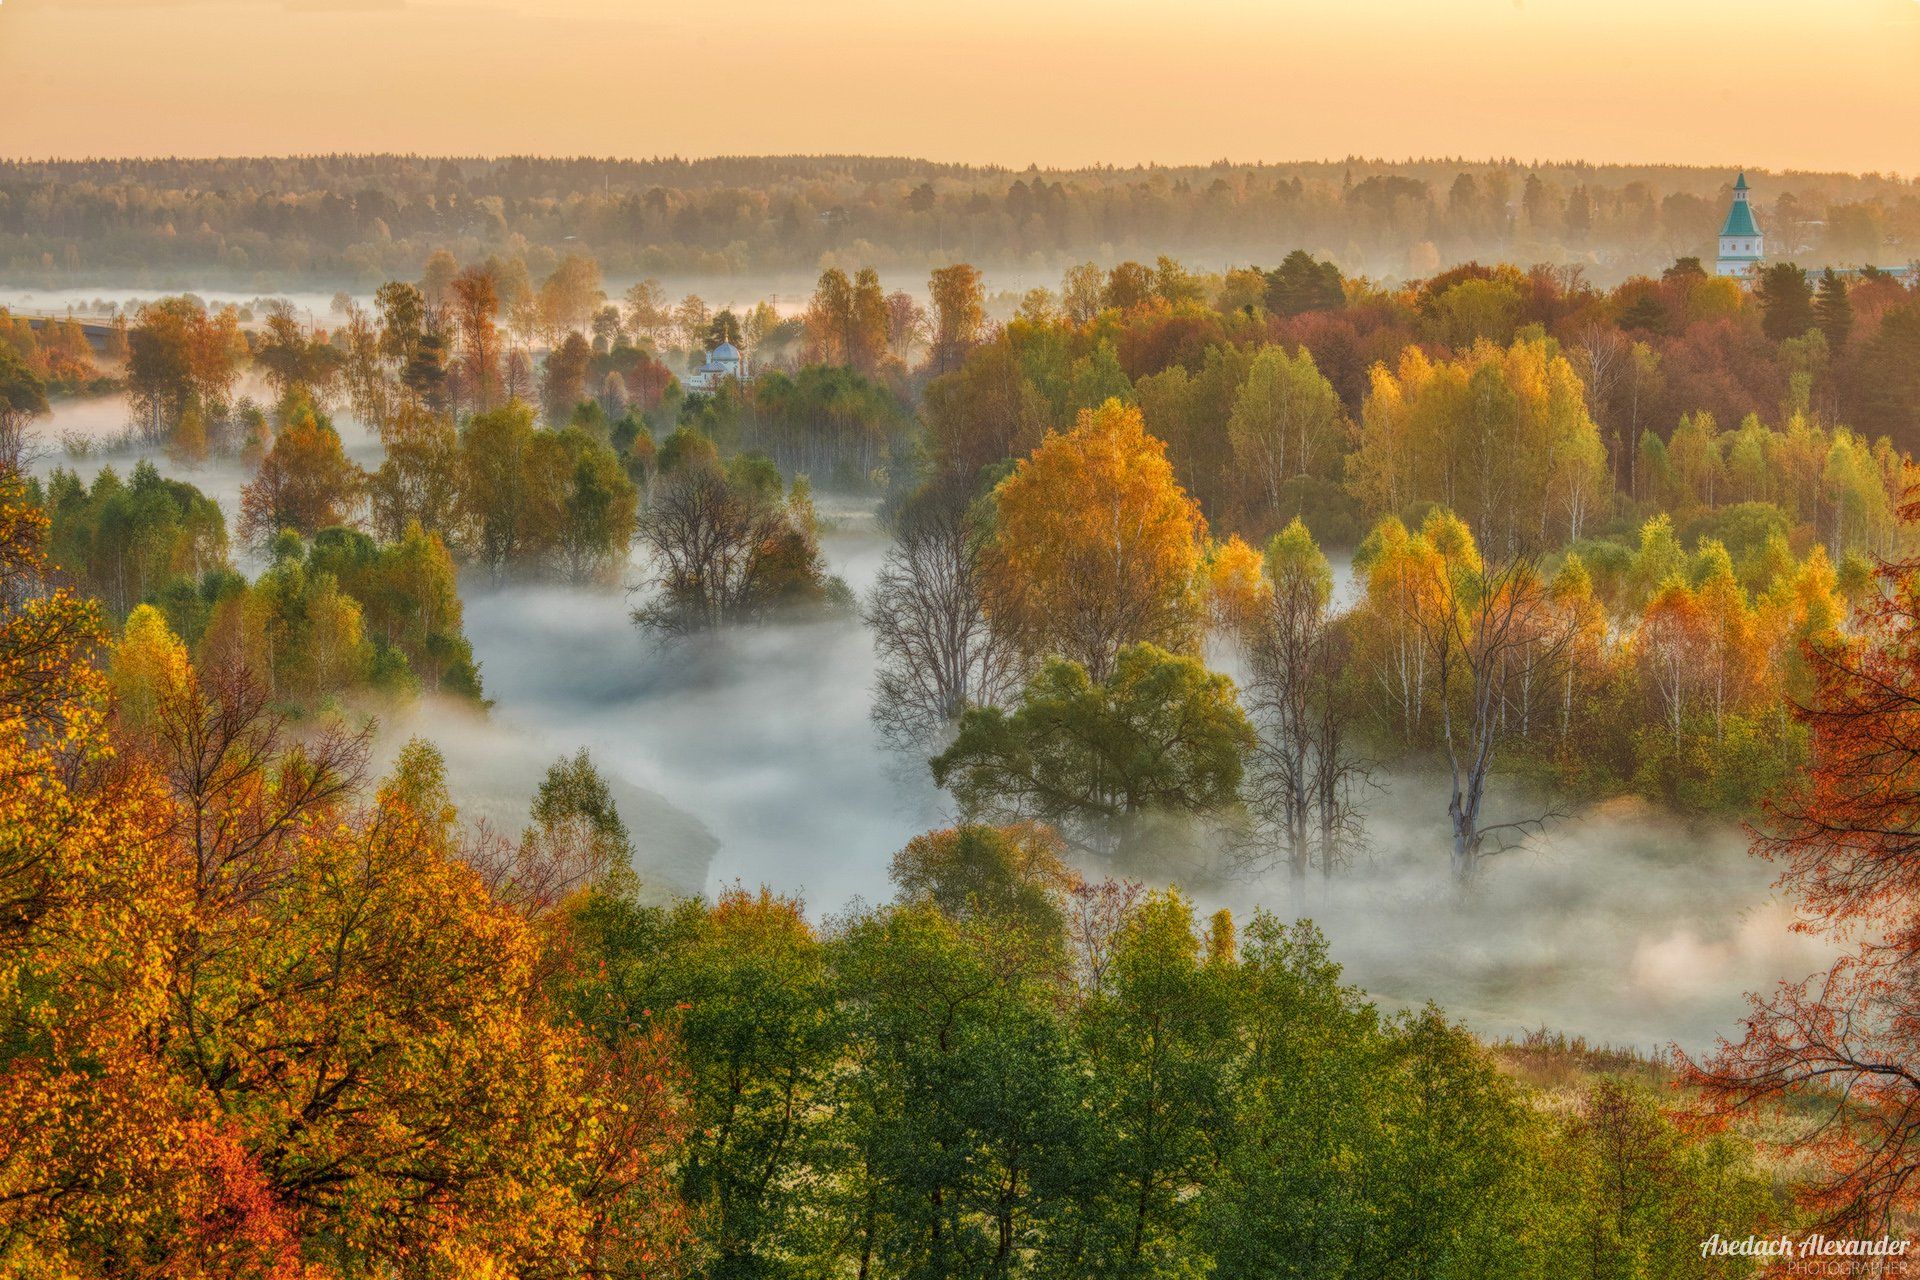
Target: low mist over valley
849 717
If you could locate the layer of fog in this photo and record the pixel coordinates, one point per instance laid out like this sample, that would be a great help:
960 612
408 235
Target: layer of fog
787 294
750 758
310 305
1621 924
87 436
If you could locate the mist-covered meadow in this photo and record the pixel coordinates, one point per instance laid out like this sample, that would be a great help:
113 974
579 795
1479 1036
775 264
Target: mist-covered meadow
750 759
926 781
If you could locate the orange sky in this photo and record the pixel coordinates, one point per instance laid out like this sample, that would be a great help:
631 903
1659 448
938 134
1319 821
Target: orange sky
1824 84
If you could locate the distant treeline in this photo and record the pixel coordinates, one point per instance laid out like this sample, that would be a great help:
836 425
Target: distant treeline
362 219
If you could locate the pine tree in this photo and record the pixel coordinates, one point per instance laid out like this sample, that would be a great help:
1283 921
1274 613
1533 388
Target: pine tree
1788 300
1834 309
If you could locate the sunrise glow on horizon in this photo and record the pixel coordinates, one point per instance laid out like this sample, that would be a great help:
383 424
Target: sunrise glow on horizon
1762 82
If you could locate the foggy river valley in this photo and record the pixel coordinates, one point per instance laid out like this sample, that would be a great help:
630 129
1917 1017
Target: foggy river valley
751 759
822 642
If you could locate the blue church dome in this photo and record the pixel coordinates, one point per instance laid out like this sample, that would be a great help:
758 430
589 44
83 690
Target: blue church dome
725 351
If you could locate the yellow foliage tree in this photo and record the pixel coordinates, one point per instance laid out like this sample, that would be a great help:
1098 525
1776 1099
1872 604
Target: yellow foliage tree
1501 436
147 663
1096 546
258 1026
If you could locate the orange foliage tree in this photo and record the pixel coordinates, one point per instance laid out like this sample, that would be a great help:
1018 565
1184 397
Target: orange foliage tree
1096 546
306 481
260 1026
1845 1044
1702 651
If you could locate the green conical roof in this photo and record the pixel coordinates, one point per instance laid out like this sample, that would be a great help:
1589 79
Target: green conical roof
1740 216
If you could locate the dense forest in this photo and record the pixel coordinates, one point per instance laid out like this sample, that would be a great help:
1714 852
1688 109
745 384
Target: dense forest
269 1017
347 221
270 1011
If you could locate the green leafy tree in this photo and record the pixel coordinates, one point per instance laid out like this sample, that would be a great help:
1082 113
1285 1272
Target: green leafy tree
130 541
599 509
1291 1197
23 397
1010 876
1160 1039
500 494
962 1110
1162 736
1287 425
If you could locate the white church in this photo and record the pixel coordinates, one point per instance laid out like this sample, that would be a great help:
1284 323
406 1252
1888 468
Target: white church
723 362
1741 244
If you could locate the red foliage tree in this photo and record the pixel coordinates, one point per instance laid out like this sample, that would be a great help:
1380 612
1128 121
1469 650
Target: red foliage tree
1725 366
1165 338
1846 1043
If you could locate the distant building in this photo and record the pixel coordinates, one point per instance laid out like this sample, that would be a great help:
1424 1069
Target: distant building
1906 276
723 362
1741 244
1742 247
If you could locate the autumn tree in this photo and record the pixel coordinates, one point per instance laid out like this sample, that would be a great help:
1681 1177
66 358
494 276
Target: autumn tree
1502 436
570 294
691 320
847 320
88 910
939 652
1493 637
180 356
475 306
306 481
563 380
1128 285
984 413
23 397
648 314
418 944
959 316
906 325
1095 545
867 331
1080 293
830 319
294 361
1303 769
1840 1045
